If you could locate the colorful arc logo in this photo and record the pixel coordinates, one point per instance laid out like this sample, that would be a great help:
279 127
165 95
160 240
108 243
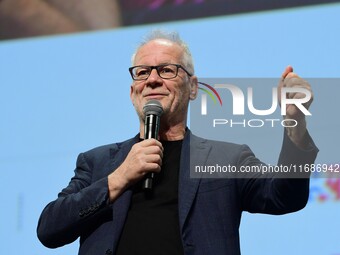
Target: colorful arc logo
213 95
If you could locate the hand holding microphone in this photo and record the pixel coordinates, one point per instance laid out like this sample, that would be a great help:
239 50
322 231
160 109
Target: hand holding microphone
144 158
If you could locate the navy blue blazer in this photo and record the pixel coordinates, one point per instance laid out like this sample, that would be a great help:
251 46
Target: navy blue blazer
209 209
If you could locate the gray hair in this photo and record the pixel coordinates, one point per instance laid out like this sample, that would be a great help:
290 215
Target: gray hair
172 37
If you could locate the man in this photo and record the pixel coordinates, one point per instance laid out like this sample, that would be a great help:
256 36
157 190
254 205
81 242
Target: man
105 205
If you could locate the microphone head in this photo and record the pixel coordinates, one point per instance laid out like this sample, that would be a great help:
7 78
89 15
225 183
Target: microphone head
153 107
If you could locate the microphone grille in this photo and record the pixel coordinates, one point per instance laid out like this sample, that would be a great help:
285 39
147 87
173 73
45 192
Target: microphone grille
153 107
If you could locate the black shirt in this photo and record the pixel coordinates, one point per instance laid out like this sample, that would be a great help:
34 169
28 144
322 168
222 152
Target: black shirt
152 225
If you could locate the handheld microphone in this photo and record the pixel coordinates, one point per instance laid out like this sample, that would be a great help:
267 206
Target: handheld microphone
152 112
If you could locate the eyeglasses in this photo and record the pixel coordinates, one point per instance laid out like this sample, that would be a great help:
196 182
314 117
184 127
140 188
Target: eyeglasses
166 71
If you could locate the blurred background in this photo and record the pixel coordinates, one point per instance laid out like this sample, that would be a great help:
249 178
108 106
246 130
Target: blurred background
65 89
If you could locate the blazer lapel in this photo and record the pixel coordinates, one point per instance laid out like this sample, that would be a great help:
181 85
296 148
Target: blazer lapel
121 206
195 151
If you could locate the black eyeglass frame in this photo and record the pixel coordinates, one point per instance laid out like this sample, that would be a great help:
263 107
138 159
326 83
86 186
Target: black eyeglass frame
157 69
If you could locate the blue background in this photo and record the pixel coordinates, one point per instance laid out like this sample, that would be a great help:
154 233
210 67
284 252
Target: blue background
61 95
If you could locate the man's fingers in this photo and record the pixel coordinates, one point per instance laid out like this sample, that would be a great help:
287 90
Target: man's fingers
147 156
288 72
151 142
153 150
293 80
151 146
289 69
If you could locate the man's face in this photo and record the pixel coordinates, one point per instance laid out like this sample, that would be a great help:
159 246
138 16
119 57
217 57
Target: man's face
174 94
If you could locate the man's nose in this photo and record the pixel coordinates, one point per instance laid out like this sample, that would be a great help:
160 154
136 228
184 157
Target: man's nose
154 79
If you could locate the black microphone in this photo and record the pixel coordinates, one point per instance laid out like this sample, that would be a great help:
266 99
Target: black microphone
152 112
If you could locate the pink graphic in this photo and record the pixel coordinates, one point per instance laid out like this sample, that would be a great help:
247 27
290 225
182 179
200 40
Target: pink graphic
156 4
325 189
334 186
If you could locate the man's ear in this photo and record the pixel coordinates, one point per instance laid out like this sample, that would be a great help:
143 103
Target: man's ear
131 95
193 87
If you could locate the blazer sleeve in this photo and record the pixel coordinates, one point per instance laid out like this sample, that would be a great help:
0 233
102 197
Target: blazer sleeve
63 220
278 193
